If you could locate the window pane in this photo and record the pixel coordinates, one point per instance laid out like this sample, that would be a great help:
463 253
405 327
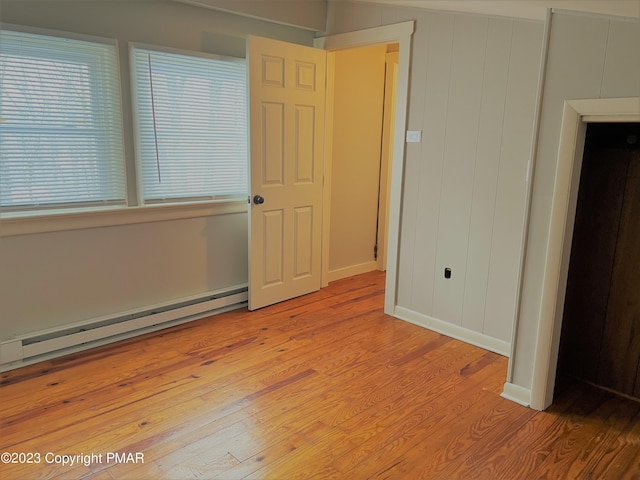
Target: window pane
60 123
192 126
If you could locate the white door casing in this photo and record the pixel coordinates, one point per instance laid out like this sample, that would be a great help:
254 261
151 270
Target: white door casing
576 115
286 110
401 34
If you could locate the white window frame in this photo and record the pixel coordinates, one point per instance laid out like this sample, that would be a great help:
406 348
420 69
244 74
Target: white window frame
135 46
44 221
117 135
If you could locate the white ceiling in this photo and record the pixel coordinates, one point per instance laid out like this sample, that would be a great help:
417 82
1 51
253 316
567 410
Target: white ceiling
534 9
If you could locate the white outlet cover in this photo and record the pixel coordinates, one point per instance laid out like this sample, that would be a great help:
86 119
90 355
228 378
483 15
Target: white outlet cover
414 136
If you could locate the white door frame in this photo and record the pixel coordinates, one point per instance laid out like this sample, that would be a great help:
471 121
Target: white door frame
576 115
399 33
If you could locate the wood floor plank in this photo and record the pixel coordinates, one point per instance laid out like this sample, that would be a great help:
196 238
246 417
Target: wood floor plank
606 440
148 380
322 386
390 430
485 461
355 424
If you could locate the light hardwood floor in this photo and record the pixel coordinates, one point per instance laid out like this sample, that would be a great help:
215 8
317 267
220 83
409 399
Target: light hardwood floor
323 386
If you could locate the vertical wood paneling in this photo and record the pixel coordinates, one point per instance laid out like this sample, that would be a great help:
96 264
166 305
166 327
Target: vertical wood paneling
593 250
414 213
496 69
473 93
436 98
515 151
463 113
575 65
636 391
621 334
622 62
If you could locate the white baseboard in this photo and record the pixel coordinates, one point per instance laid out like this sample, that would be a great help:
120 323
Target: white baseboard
455 331
517 394
352 270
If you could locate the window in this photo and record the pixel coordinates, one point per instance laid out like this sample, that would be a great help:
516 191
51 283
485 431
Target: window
191 122
60 123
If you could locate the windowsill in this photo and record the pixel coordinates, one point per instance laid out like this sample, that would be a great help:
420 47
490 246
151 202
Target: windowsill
80 219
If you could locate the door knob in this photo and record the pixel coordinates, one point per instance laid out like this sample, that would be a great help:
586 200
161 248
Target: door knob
258 200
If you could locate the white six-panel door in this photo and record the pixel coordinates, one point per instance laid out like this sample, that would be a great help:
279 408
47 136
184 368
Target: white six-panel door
287 103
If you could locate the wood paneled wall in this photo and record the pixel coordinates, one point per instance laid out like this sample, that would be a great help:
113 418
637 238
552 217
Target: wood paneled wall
473 89
588 57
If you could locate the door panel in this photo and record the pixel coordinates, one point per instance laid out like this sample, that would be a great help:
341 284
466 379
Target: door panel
304 136
303 231
273 144
271 225
286 98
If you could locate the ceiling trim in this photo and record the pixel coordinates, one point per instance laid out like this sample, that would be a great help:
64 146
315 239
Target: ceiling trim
531 9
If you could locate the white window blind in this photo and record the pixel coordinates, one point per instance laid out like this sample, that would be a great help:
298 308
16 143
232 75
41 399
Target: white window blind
60 123
191 126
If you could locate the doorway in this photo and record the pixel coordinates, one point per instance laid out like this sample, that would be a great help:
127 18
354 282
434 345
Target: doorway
600 340
266 237
401 34
360 117
576 115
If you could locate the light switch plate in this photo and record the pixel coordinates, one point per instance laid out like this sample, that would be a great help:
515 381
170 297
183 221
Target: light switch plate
414 136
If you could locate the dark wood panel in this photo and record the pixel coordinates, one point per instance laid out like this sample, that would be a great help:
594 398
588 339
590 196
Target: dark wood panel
636 391
322 386
598 212
620 351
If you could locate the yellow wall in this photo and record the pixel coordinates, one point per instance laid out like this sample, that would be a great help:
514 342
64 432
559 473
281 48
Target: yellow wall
357 129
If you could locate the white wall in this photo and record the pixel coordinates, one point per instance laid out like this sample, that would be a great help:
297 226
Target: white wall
309 14
588 57
473 94
52 279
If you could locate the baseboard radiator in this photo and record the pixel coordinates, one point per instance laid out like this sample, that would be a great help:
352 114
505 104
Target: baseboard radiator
47 344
